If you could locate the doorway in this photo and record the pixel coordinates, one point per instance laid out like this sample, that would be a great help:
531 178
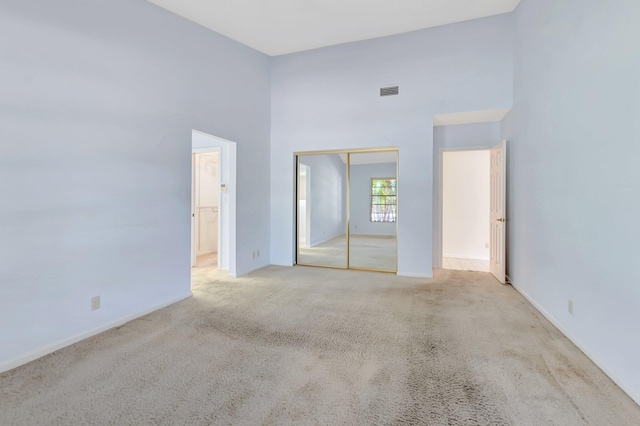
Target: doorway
206 209
347 209
466 210
224 181
473 207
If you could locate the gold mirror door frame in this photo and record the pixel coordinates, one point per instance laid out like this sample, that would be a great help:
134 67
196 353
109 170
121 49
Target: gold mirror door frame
325 199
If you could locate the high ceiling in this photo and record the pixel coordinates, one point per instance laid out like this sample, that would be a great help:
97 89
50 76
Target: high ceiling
277 27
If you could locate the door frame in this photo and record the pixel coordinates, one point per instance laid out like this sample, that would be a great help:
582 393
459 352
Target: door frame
228 166
438 240
194 152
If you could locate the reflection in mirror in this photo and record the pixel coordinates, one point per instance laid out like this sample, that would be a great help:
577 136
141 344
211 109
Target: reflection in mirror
373 199
322 214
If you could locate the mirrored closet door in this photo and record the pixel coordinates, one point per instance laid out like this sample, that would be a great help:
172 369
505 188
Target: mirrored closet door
322 210
373 204
347 209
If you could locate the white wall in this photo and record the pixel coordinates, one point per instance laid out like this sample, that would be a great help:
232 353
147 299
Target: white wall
98 101
465 204
573 177
329 99
360 199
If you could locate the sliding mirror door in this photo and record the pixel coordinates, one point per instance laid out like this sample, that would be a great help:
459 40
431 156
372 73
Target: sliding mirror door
373 200
322 212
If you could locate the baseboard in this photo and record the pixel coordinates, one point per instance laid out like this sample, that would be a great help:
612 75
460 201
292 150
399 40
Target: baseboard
389 236
414 275
39 353
463 256
288 264
597 361
228 274
252 269
324 241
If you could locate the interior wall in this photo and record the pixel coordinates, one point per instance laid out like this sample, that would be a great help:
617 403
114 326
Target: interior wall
466 204
327 197
454 137
573 151
360 199
329 99
98 103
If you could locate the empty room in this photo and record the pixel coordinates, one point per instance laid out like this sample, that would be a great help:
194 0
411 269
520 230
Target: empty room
259 212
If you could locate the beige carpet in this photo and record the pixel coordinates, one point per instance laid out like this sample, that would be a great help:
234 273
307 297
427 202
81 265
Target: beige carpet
320 346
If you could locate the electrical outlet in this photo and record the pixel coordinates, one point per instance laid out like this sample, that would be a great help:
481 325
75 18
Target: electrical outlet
95 303
258 253
571 307
253 254
486 245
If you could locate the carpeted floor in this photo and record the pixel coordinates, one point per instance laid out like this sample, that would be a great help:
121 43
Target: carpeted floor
321 346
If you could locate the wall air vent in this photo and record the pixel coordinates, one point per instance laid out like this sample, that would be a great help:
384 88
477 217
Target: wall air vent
389 91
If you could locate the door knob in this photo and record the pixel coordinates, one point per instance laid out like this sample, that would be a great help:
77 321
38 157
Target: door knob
502 219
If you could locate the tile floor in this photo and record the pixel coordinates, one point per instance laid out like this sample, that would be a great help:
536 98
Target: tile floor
207 260
465 264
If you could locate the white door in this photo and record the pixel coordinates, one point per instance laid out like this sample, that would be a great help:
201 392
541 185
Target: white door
498 210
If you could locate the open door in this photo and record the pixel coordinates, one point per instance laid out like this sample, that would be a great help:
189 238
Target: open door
498 210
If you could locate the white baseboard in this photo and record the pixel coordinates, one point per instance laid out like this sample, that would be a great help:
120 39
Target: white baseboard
393 235
202 253
597 361
324 241
46 350
250 270
464 256
282 264
414 275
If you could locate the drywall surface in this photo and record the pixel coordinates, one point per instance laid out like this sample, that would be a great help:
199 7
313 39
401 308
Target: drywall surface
97 104
329 99
573 151
462 136
451 138
327 175
465 204
360 199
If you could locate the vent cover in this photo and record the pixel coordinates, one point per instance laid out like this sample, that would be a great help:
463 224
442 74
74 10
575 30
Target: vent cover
389 91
